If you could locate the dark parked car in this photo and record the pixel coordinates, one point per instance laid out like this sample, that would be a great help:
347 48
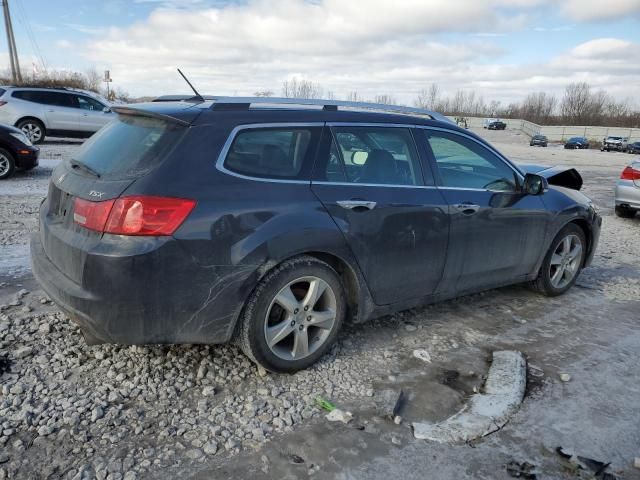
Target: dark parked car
577 143
633 147
497 125
538 140
16 151
187 222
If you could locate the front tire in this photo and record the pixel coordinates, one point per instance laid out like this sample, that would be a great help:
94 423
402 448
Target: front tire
7 164
294 315
624 212
562 263
33 129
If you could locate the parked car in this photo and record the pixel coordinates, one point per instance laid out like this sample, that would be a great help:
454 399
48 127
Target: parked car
16 151
618 144
487 121
53 112
633 147
577 143
497 125
187 222
628 191
538 140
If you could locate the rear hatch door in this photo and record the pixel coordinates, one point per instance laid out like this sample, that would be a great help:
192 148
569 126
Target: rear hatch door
102 169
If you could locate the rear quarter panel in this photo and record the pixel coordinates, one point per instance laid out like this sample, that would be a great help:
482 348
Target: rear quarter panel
240 228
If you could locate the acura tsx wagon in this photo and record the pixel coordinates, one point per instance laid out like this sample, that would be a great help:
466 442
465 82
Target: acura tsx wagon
270 222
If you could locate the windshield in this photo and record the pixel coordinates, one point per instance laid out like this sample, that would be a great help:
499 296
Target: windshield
615 138
129 146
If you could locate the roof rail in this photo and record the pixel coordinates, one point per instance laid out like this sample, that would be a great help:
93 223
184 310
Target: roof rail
241 103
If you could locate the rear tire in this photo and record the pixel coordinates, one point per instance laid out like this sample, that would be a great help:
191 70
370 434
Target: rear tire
293 316
33 129
562 263
7 164
624 212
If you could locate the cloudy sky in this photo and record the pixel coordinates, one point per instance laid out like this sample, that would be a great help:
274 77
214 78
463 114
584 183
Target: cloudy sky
502 49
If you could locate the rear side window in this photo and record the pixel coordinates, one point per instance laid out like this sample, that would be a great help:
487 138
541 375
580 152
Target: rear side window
280 153
373 155
58 99
129 146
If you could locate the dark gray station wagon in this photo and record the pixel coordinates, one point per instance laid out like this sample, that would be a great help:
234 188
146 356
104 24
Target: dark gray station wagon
271 221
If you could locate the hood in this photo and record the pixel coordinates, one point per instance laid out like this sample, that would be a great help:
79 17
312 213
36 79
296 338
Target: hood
9 129
559 175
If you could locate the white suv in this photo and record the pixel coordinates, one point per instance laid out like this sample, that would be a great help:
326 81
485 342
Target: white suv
54 112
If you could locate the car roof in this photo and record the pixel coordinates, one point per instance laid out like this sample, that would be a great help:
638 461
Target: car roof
239 113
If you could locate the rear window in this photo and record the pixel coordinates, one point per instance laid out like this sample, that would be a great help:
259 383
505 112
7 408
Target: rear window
129 146
271 152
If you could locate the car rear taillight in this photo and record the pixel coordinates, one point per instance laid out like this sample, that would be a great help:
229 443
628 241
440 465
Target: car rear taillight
91 215
630 173
135 215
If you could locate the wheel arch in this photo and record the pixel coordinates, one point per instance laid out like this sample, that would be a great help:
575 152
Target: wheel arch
588 235
356 290
31 117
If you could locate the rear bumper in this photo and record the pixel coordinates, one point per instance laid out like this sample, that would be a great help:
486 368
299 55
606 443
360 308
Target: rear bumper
157 296
627 194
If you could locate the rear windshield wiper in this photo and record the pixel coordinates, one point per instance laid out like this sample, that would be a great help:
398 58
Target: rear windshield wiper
75 164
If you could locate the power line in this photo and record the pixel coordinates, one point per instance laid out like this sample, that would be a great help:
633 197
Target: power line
32 38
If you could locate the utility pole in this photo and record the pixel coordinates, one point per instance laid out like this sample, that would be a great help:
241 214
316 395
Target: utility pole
13 51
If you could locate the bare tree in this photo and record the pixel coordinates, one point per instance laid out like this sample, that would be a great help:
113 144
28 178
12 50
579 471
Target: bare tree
428 98
385 99
300 88
94 80
354 97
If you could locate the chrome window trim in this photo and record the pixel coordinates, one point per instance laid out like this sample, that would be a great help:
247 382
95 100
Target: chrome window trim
491 149
354 184
371 124
251 126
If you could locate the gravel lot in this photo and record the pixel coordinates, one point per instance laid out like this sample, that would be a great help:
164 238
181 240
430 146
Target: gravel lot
72 411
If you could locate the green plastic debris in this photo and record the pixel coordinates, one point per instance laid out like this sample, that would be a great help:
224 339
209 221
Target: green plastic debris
325 404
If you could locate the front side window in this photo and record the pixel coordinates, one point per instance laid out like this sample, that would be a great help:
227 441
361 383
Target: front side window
278 153
86 103
373 155
463 163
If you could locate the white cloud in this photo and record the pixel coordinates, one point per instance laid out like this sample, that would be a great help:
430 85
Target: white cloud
594 10
375 47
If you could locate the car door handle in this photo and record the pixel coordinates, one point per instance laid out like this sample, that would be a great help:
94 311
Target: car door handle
357 205
466 208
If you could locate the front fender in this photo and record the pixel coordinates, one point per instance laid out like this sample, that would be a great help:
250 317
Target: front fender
567 206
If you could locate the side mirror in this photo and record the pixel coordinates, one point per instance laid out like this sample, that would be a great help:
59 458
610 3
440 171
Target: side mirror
534 184
106 110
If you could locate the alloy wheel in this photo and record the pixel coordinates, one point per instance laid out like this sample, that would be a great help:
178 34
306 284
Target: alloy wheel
565 261
32 131
5 165
300 318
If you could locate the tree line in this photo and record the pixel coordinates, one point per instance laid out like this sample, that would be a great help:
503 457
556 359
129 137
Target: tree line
580 104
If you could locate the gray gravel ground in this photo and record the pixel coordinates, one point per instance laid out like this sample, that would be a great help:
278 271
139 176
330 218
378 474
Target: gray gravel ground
72 411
